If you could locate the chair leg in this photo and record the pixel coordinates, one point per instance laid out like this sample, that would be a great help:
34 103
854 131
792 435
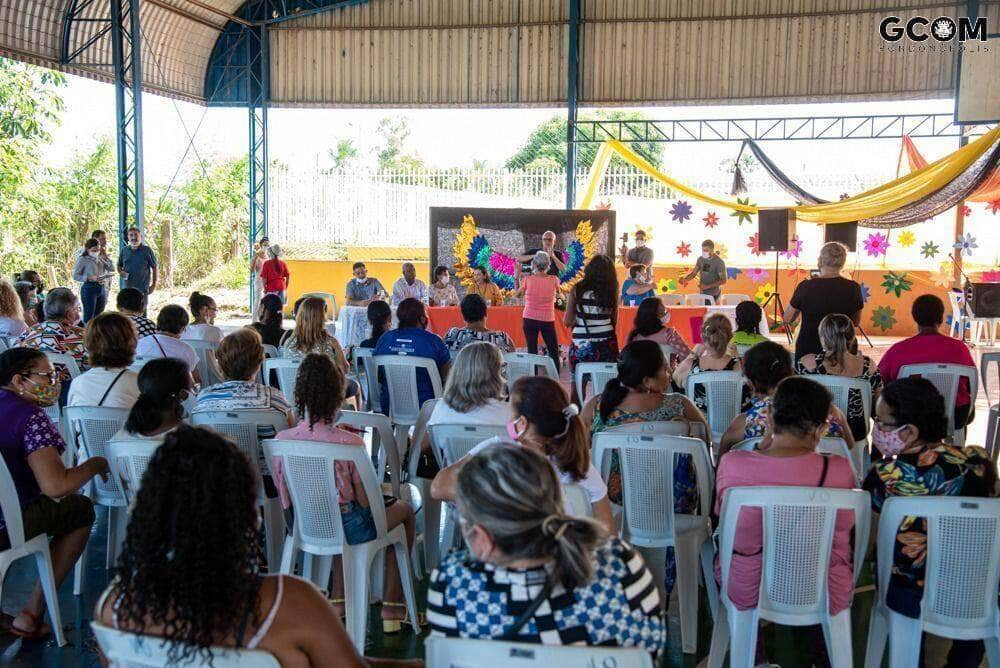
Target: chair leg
708 575
322 566
904 650
686 553
43 559
357 562
878 636
432 525
720 639
78 570
992 651
274 531
837 633
406 578
991 431
288 555
743 637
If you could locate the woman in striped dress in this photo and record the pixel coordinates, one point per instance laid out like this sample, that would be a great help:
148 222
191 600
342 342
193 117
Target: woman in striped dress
592 312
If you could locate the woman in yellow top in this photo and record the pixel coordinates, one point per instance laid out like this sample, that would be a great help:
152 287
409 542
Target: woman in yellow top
485 288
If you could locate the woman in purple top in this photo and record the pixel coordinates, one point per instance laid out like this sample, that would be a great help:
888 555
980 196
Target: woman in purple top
46 490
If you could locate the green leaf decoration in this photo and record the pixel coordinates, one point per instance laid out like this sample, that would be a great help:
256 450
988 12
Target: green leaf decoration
742 216
883 317
896 283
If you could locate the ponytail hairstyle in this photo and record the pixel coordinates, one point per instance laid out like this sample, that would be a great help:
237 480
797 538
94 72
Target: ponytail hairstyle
380 318
836 334
748 316
767 364
163 385
514 496
198 301
639 360
556 422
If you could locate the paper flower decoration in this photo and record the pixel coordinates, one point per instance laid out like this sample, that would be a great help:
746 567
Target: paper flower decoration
666 285
757 275
763 293
990 277
942 277
993 206
684 249
906 239
966 210
742 216
883 317
896 283
866 293
965 244
603 205
794 248
929 250
680 211
722 250
711 220
876 244
733 272
753 243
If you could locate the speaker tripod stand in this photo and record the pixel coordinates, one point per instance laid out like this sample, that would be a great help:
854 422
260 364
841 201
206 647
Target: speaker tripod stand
774 299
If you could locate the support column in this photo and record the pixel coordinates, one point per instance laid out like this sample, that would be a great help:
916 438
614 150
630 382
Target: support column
572 92
126 53
258 156
956 253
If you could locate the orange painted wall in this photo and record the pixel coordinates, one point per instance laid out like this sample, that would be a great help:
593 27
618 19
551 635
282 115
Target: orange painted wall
329 276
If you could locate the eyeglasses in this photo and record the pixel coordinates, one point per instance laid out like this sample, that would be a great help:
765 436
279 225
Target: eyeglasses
53 376
885 426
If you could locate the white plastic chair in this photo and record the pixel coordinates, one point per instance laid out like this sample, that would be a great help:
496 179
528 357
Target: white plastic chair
240 426
4 344
992 443
699 299
208 367
672 299
945 378
54 412
723 397
798 524
455 652
329 298
662 428
960 581
576 503
128 459
830 445
733 299
318 531
363 365
92 427
647 469
841 388
526 364
958 315
286 369
400 373
136 651
600 374
19 548
429 517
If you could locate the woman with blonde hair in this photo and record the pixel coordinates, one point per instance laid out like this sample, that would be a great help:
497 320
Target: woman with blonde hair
474 391
310 336
11 311
712 354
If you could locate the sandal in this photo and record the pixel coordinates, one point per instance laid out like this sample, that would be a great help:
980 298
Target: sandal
39 628
393 626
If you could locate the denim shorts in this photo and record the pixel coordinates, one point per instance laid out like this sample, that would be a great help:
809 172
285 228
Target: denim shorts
359 525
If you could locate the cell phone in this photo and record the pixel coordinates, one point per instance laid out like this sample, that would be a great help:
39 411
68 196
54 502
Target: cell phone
625 237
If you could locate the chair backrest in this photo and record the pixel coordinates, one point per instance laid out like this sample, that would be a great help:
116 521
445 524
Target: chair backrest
699 299
329 298
92 427
271 352
733 299
308 471
240 426
526 364
286 370
600 374
128 459
662 428
66 360
575 501
945 378
672 299
955 300
364 364
4 344
798 525
647 464
747 444
451 442
831 445
208 367
130 650
984 368
10 505
723 396
455 652
962 562
383 442
841 386
421 434
401 378
138 363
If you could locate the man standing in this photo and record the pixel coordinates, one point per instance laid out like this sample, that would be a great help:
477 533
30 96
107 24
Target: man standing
557 258
362 290
409 286
711 271
137 264
640 254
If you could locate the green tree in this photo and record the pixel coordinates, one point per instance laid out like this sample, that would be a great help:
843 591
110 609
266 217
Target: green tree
343 154
394 132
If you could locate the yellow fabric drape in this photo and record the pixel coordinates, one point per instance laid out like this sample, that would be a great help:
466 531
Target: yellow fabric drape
987 191
869 204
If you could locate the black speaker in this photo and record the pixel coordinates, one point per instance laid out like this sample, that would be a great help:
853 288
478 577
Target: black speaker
774 227
845 233
985 300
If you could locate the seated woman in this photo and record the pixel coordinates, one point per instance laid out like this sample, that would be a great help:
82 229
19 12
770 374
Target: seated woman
797 420
441 291
47 491
840 357
269 324
310 336
766 365
319 392
523 550
11 311
58 332
203 310
474 391
164 385
910 425
543 419
474 309
190 566
638 286
28 296
110 340
710 355
748 315
380 318
170 324
651 320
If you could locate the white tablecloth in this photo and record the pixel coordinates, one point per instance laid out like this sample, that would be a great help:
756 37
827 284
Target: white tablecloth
730 312
352 325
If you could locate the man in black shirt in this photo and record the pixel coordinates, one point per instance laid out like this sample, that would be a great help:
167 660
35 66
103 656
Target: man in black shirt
558 258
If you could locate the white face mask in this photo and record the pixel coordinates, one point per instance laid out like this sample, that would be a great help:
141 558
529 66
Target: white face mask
445 279
93 253
706 254
640 243
361 281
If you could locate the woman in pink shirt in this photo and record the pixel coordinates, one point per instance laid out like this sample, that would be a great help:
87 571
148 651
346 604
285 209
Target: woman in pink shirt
319 392
797 419
539 292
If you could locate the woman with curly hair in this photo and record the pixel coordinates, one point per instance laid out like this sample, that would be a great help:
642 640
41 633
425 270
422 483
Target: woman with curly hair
319 392
592 312
190 567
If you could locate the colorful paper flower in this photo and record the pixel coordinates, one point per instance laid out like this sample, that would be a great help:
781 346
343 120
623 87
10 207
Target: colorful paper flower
993 206
896 283
666 285
992 276
942 277
722 250
753 243
742 216
711 220
866 293
733 272
684 249
883 317
603 205
876 244
763 293
906 239
966 210
794 248
965 243
929 250
756 274
680 211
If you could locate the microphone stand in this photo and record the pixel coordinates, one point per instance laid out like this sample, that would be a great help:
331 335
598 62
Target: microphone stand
966 299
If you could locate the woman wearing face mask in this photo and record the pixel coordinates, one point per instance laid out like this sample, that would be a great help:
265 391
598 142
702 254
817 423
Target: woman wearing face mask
638 286
89 272
29 301
442 292
910 425
543 419
32 450
651 320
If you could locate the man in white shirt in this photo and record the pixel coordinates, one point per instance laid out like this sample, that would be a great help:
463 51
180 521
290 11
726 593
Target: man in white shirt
409 286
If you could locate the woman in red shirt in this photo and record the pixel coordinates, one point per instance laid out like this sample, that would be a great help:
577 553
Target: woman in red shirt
275 274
